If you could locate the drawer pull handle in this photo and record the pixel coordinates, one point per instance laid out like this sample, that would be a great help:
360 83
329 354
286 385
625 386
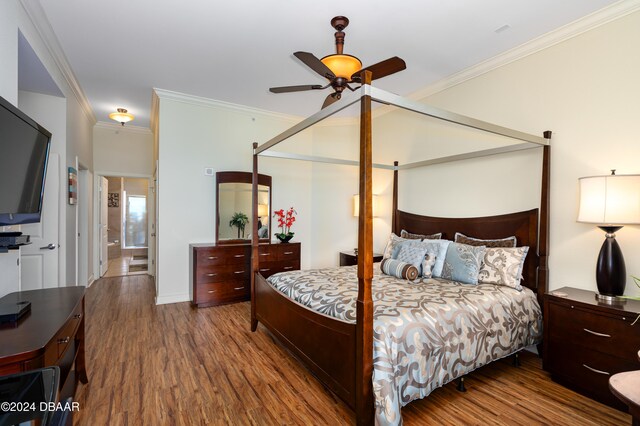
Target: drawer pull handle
265 254
596 371
238 288
212 258
288 252
288 267
596 333
212 274
238 255
77 316
239 272
63 341
265 270
211 291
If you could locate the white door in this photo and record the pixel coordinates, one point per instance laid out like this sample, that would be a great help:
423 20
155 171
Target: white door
39 264
104 223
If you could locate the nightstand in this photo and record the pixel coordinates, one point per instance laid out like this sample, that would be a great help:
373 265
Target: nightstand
348 258
587 341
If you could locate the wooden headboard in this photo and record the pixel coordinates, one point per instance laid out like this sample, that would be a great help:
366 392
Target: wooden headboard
524 225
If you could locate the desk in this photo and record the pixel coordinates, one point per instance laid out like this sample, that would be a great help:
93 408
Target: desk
52 334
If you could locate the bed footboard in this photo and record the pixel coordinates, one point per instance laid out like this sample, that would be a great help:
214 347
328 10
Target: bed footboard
325 345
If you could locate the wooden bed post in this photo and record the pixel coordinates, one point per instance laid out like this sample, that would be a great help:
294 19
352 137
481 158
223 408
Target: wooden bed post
254 237
364 306
394 205
543 244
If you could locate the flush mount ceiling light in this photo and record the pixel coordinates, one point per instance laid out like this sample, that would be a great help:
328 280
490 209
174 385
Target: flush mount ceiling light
122 116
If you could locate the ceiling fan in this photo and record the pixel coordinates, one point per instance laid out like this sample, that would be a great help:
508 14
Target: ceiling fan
340 69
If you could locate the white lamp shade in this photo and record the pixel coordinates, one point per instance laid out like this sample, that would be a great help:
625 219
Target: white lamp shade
263 210
356 205
610 200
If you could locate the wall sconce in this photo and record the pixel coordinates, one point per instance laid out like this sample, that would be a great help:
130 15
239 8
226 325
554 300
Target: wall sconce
122 116
374 207
610 202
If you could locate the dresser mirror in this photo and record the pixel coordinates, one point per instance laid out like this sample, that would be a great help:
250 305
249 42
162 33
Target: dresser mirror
234 207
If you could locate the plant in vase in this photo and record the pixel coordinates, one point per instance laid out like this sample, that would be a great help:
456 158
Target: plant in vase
285 221
239 220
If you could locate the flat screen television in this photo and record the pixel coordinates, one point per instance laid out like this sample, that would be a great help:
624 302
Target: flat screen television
24 152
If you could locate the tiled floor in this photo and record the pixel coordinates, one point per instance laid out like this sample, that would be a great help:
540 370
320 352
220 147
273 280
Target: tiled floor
120 265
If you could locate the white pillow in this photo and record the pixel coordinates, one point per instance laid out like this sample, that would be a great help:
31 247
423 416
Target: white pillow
503 266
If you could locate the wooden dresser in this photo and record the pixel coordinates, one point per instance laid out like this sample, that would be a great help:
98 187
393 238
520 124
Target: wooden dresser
586 342
221 274
51 334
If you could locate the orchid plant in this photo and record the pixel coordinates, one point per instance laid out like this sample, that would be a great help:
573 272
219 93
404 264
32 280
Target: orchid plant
285 221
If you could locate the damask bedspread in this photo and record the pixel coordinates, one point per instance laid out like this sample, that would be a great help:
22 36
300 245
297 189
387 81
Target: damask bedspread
425 333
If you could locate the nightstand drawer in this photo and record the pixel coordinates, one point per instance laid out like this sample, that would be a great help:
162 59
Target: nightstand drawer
586 370
607 333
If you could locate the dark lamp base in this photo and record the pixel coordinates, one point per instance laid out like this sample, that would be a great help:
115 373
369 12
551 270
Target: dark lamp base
611 273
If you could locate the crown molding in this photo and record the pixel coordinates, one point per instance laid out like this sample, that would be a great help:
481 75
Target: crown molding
566 32
120 128
201 101
38 18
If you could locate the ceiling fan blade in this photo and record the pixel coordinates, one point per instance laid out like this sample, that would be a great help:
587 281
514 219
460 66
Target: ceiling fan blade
330 99
285 89
382 69
315 64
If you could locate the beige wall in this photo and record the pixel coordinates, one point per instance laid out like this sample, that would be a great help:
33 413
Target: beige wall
195 133
585 90
126 151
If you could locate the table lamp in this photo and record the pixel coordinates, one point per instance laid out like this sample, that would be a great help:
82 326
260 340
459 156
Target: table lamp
610 202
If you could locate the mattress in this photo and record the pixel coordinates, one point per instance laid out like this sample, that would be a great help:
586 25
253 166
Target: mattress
425 333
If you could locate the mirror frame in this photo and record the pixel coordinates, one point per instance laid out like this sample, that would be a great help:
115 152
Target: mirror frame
240 177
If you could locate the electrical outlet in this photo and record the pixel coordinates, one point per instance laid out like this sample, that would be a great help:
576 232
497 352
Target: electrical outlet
208 171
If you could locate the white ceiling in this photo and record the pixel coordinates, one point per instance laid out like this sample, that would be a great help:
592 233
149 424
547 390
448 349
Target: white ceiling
235 50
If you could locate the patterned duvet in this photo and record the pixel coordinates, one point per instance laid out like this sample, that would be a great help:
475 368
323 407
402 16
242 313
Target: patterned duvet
425 333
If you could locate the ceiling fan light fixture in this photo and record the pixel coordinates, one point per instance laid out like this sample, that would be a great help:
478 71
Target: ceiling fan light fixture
122 116
343 66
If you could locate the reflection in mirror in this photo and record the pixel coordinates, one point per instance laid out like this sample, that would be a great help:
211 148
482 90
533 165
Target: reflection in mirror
234 208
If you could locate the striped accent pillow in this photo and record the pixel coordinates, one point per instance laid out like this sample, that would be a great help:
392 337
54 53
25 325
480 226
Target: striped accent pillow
399 269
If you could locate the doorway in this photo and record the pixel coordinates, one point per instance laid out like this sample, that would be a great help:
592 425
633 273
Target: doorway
127 226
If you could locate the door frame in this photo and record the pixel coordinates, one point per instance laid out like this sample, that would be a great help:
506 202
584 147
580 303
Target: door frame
97 174
84 274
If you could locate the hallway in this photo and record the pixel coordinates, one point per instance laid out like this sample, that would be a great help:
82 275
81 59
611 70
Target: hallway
130 262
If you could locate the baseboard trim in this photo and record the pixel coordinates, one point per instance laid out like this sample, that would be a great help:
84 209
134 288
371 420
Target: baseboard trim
172 298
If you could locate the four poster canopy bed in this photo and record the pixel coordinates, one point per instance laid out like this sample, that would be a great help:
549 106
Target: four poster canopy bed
377 341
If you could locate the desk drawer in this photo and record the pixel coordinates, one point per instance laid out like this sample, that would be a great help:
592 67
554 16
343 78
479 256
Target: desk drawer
607 333
64 338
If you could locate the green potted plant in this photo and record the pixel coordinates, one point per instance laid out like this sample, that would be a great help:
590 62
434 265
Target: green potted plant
239 220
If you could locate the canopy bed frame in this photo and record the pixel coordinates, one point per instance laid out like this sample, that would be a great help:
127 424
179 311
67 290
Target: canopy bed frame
345 365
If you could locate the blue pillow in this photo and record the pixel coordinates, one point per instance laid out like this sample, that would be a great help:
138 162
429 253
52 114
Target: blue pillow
411 252
462 263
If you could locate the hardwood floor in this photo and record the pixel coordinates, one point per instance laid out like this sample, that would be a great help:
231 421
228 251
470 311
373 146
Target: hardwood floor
175 365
